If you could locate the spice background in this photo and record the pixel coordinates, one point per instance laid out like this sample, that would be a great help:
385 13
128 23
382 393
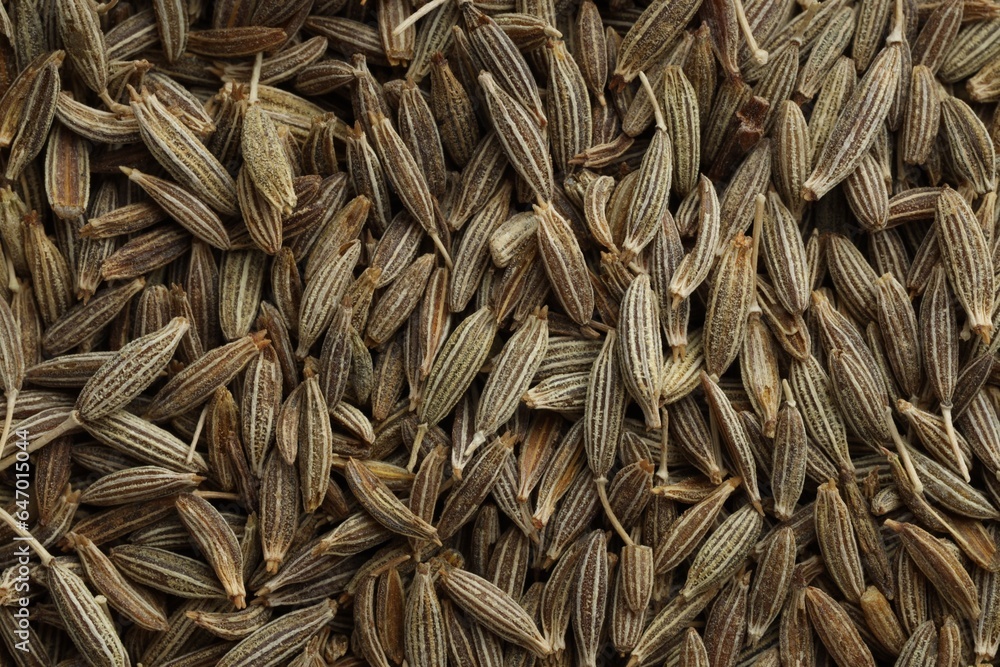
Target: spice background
513 333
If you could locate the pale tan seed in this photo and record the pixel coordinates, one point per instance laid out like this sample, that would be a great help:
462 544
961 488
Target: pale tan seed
723 552
96 125
727 622
425 637
567 105
771 584
452 107
456 366
650 192
882 620
831 43
590 596
853 276
693 652
91 631
67 173
167 571
84 320
500 57
407 180
974 46
682 114
872 22
279 510
144 441
667 624
792 157
871 547
35 118
697 264
691 527
511 375
833 95
867 194
138 484
322 295
478 479
471 256
50 274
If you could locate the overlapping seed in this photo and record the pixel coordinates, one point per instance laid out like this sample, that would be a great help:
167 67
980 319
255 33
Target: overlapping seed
529 333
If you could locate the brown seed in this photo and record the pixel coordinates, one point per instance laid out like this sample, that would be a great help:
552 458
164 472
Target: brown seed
649 37
192 387
493 608
940 566
835 629
969 264
852 135
379 501
640 352
216 540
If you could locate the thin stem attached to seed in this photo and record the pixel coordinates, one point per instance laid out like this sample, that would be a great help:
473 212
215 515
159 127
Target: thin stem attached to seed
102 602
43 553
441 249
417 15
759 54
898 25
197 433
113 106
949 428
713 434
255 77
662 473
391 563
904 452
809 12
758 230
415 451
13 284
789 397
602 492
216 495
661 123
72 422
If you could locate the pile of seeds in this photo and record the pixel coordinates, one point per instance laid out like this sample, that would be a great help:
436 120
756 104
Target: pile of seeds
501 334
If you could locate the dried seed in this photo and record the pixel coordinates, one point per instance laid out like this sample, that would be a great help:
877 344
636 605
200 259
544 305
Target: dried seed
852 135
